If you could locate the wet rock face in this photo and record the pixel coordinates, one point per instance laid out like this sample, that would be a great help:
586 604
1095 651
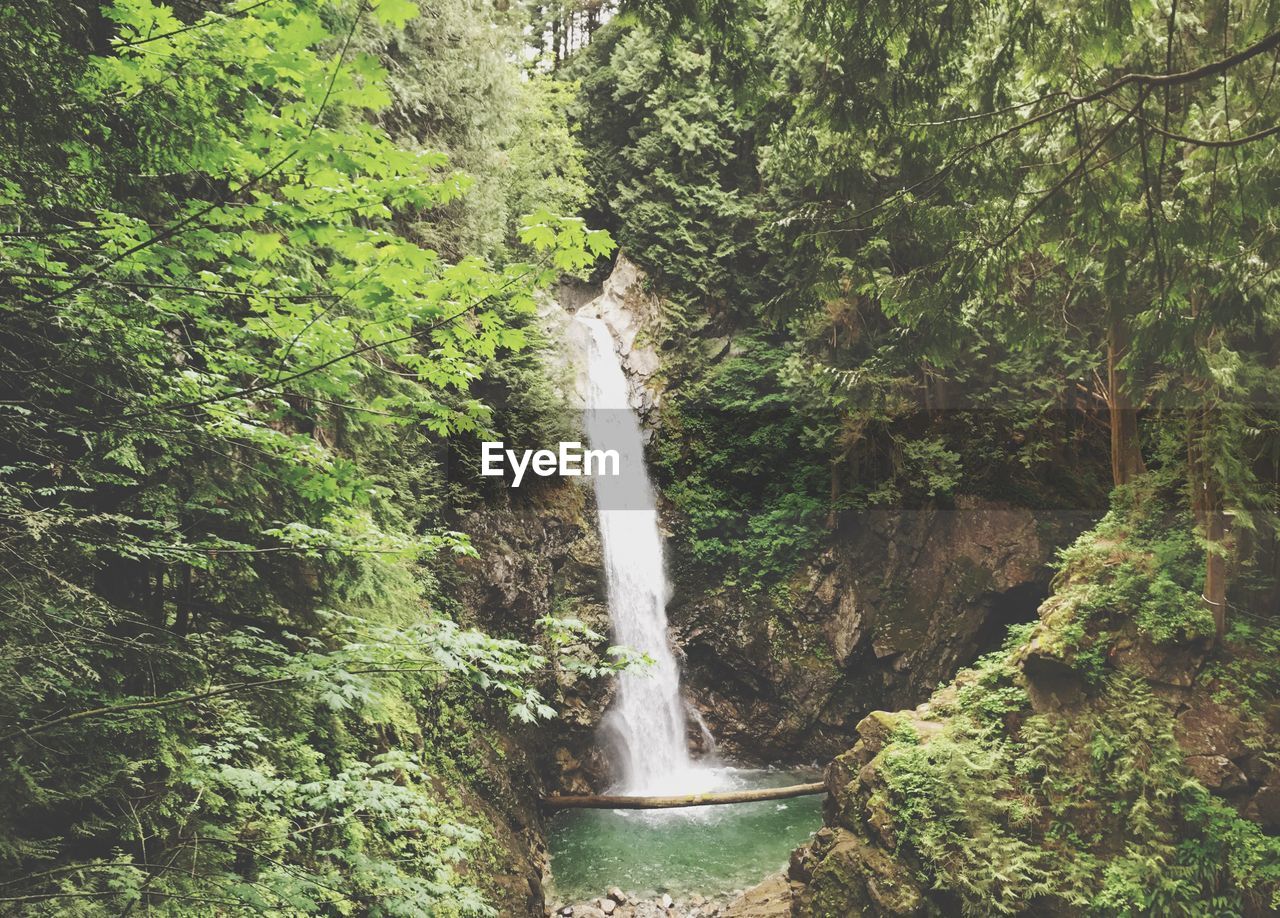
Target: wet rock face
538 557
895 606
1223 752
533 556
632 315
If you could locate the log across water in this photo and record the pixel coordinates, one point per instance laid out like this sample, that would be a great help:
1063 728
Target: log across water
612 802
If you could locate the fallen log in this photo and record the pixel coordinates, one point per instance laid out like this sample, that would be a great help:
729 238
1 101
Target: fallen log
614 802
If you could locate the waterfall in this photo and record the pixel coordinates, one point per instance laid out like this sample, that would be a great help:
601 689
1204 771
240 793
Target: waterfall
646 723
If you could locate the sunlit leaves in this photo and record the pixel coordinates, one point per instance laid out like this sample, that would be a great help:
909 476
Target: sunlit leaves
238 361
571 245
395 12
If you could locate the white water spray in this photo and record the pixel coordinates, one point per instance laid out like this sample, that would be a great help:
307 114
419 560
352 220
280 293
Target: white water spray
647 723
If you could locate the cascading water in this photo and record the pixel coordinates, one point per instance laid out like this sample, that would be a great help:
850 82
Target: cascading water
646 724
709 850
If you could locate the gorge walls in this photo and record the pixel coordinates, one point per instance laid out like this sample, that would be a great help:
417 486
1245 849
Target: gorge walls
893 606
888 607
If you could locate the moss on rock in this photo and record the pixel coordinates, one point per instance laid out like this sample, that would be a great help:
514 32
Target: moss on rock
1090 767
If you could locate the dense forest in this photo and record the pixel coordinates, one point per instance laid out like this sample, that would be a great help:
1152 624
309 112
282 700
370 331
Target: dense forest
962 333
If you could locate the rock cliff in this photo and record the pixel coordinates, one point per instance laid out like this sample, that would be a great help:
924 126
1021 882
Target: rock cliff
897 602
1042 780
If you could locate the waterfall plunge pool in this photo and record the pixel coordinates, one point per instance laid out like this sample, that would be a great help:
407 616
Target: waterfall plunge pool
712 850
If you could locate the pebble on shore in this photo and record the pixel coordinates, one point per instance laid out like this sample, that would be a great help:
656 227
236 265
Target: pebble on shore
617 904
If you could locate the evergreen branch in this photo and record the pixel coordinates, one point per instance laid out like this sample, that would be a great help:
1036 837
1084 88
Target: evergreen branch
1271 42
155 703
1211 142
1071 176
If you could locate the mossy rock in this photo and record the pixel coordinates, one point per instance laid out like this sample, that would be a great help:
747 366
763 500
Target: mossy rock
844 802
874 731
853 877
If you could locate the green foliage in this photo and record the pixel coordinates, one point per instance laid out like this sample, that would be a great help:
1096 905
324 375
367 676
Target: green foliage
936 468
726 176
944 792
1007 819
454 89
1089 807
233 354
670 160
1250 680
1142 560
991 696
731 458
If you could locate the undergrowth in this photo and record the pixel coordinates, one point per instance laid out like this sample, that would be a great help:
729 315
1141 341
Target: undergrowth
1091 807
1142 561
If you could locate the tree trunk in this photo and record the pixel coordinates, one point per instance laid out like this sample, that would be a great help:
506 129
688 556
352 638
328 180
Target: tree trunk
156 599
611 802
834 494
1206 505
1215 575
182 620
1126 451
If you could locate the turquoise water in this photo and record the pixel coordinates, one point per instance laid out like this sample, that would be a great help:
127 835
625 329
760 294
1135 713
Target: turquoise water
708 850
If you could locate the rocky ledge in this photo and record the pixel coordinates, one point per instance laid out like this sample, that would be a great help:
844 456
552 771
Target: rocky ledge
936 809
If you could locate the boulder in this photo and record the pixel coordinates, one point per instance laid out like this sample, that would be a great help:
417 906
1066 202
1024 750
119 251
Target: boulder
770 899
853 877
874 731
1217 772
1209 728
648 910
1264 808
1167 664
